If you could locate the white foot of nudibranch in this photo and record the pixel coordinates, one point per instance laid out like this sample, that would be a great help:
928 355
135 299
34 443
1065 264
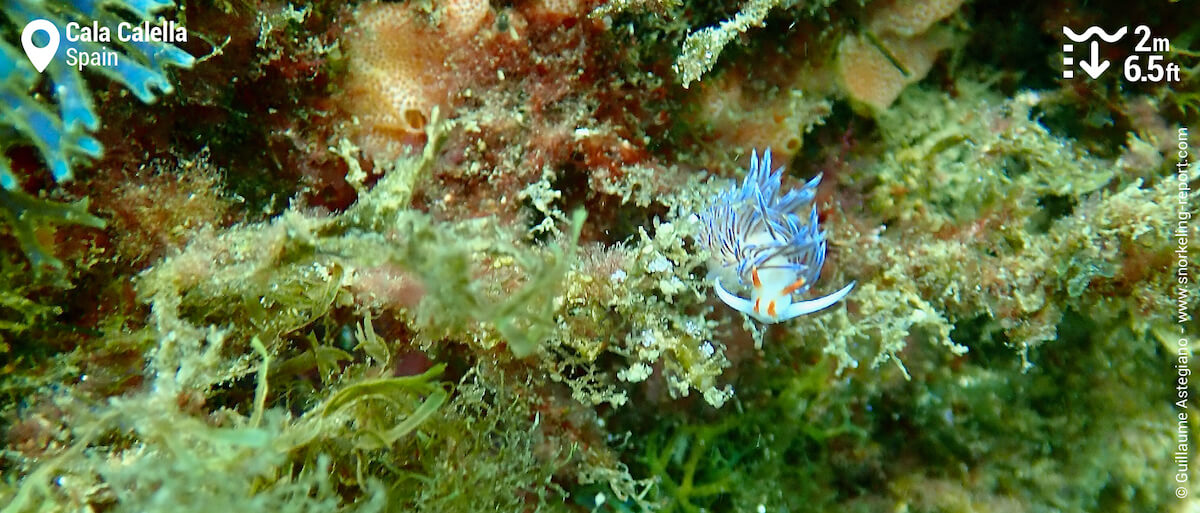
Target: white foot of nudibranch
792 311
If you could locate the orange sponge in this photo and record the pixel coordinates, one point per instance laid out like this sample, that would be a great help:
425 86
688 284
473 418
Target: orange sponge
906 18
873 71
398 72
869 77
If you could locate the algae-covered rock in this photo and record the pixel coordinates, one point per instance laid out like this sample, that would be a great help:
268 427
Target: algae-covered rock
463 265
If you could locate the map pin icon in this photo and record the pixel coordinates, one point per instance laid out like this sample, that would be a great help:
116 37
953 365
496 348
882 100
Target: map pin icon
40 56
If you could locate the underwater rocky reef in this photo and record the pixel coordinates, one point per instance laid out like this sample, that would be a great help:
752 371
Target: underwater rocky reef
534 255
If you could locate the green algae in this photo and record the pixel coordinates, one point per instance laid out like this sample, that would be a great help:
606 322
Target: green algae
364 397
252 288
25 214
702 48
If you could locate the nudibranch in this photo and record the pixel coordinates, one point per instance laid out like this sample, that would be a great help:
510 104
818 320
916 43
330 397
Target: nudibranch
760 241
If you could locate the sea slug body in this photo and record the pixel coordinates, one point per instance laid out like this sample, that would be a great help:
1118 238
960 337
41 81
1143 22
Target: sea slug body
758 241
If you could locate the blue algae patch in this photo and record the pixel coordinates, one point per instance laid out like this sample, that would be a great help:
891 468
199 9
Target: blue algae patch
61 128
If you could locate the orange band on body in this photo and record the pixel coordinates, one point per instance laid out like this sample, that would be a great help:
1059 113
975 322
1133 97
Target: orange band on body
795 286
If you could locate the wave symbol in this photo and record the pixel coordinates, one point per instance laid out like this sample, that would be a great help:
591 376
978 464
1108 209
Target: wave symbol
1092 31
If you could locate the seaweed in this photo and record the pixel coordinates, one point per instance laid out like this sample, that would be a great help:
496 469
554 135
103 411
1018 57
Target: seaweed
25 215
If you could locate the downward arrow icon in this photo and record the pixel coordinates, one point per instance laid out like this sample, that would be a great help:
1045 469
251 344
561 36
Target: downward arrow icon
1096 66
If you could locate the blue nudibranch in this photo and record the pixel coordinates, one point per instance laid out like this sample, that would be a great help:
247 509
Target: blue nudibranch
759 241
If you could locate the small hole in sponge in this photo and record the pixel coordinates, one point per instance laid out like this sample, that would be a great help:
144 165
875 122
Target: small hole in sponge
792 144
415 119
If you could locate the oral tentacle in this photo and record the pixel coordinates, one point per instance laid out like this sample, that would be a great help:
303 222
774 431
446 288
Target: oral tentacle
813 305
737 303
